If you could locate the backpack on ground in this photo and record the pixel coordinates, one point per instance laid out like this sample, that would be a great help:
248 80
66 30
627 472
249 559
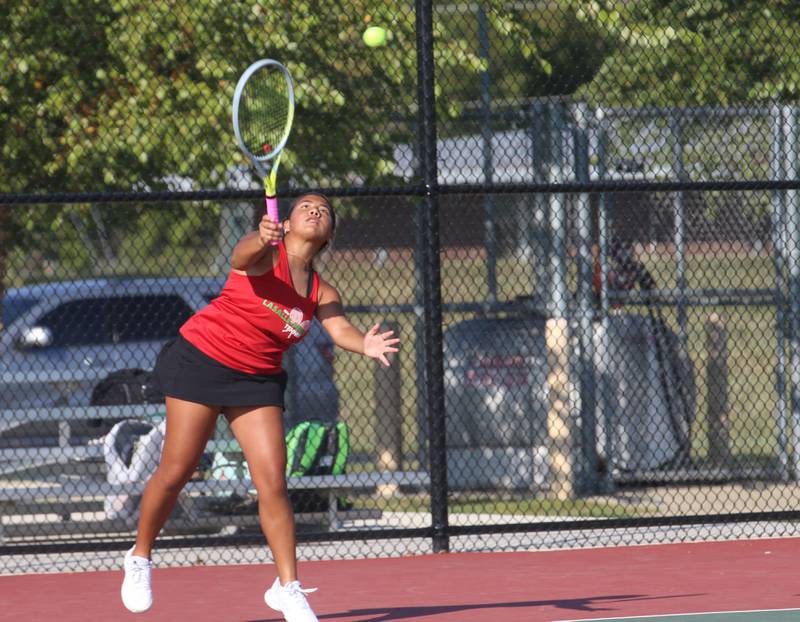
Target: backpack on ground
317 448
312 448
126 386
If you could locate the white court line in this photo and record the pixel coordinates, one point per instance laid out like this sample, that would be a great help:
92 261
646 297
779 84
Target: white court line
673 615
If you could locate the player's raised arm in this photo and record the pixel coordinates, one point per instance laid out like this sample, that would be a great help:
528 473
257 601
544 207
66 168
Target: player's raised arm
256 245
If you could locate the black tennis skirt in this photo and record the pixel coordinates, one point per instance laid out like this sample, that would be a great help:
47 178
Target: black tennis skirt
184 372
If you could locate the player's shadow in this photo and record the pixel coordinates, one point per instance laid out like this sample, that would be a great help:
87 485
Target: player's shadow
387 614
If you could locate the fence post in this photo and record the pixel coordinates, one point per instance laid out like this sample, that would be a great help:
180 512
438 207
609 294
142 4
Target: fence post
717 389
679 213
488 165
539 240
793 255
559 291
389 418
561 424
587 380
432 294
777 233
606 414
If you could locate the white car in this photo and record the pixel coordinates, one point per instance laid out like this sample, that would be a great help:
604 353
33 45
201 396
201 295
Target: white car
60 339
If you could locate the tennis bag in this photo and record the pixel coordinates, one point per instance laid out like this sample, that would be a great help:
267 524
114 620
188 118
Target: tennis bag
126 386
317 448
122 387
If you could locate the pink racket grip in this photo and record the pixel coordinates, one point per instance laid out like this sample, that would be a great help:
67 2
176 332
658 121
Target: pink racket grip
272 212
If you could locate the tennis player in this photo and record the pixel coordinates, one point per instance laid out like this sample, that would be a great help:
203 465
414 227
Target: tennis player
227 359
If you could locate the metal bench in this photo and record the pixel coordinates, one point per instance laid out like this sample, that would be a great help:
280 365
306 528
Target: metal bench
39 509
38 499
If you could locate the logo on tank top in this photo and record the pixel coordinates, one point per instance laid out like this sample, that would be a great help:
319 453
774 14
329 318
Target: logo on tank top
294 326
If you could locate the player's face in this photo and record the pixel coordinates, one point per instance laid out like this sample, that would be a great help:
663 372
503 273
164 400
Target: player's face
311 217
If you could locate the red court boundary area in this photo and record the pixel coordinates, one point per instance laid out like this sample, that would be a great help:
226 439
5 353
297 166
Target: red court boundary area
463 587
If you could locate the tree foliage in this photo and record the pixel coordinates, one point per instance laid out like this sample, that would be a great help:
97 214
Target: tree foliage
123 95
107 95
695 52
101 95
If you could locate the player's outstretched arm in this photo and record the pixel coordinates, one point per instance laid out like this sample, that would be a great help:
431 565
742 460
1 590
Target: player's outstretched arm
373 343
256 245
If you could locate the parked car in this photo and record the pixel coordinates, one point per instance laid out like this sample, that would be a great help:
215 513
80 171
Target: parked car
61 338
498 402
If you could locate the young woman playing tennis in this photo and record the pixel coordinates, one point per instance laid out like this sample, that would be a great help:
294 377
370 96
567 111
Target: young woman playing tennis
227 359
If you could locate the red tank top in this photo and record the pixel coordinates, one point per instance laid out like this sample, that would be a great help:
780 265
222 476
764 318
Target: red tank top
254 320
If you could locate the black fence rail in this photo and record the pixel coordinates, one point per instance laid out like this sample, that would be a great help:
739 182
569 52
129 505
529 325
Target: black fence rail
594 278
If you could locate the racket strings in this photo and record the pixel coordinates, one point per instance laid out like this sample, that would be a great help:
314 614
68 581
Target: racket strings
264 112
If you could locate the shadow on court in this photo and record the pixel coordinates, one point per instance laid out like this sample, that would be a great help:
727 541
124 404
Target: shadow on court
388 614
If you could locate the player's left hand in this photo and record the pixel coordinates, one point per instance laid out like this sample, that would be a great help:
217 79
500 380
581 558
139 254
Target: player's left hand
377 345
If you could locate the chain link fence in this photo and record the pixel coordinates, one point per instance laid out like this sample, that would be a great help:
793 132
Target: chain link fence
580 218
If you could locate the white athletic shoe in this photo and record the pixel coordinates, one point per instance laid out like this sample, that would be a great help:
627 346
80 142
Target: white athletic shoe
291 601
137 595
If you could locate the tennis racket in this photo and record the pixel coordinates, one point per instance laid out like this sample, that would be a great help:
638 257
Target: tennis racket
263 109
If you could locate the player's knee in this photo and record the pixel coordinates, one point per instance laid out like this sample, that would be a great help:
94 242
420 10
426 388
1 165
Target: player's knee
173 477
271 485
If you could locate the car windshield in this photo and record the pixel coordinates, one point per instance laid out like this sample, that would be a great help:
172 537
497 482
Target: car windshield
14 306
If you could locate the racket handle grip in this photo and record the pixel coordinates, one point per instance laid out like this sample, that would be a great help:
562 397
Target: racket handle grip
272 212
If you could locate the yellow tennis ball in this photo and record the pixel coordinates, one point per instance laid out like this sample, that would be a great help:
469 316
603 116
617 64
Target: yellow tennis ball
374 36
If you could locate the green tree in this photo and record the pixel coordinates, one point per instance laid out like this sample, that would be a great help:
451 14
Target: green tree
107 95
695 52
103 95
